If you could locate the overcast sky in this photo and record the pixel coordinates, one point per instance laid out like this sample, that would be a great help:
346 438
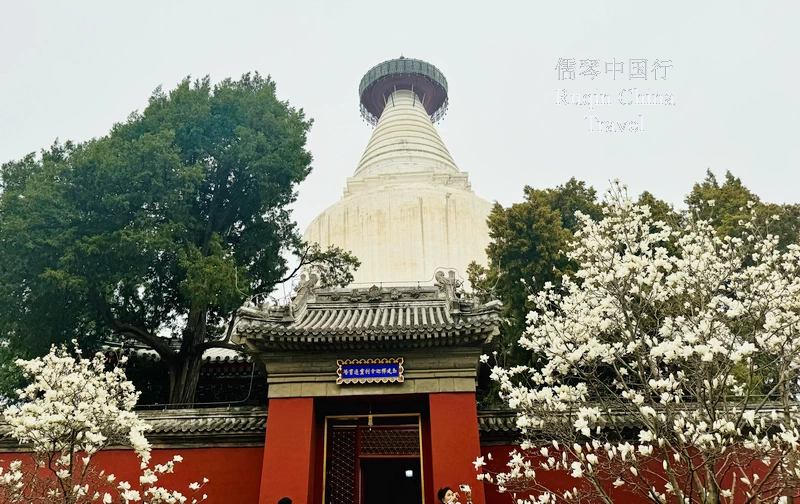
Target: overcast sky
72 69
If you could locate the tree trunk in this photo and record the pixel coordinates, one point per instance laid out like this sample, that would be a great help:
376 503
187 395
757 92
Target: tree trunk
184 373
786 395
712 488
184 368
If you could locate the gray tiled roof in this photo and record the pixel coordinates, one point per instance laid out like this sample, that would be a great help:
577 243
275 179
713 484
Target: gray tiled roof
212 355
207 427
216 420
500 421
502 424
383 319
221 355
244 426
405 316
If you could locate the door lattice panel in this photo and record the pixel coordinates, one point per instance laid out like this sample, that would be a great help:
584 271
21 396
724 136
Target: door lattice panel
341 476
390 441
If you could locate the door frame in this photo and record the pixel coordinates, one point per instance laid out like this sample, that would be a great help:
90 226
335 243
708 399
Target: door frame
418 417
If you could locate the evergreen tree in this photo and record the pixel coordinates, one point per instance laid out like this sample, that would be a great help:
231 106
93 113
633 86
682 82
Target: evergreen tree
527 251
158 231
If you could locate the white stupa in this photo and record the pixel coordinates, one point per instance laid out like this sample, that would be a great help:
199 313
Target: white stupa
407 210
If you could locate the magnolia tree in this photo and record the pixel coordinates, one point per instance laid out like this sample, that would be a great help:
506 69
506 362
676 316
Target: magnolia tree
669 368
73 408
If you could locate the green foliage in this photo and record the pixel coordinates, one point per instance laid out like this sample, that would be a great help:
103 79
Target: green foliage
162 227
528 240
11 378
729 202
788 224
527 251
659 209
726 204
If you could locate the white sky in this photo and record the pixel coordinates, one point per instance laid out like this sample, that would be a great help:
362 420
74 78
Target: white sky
72 69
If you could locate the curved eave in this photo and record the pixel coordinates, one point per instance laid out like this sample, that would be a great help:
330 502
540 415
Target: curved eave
186 428
206 360
501 425
283 340
232 358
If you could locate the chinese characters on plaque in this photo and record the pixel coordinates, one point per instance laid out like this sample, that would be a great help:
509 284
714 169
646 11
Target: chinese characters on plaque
369 370
568 68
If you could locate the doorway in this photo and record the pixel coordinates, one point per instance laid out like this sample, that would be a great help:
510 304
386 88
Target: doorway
373 459
391 481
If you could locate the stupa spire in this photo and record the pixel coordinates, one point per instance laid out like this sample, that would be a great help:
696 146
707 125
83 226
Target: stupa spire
424 79
407 211
403 98
404 141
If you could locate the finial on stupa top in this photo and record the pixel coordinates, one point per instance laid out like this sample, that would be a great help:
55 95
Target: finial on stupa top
424 79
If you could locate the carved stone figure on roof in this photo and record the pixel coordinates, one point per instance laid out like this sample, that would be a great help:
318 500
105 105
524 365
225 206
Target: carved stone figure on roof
306 284
449 286
305 288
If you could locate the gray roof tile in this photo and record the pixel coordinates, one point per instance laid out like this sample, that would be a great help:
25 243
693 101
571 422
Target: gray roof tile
244 426
378 318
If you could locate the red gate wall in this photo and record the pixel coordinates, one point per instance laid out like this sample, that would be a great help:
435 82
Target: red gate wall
234 473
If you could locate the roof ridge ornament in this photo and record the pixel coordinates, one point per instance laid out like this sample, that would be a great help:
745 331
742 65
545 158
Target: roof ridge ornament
304 292
449 286
374 293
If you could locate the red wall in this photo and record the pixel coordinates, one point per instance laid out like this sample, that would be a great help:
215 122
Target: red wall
557 480
289 451
497 464
427 467
561 481
455 443
234 473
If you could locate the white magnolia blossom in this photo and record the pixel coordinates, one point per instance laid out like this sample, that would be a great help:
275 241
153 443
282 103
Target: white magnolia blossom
72 408
670 367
